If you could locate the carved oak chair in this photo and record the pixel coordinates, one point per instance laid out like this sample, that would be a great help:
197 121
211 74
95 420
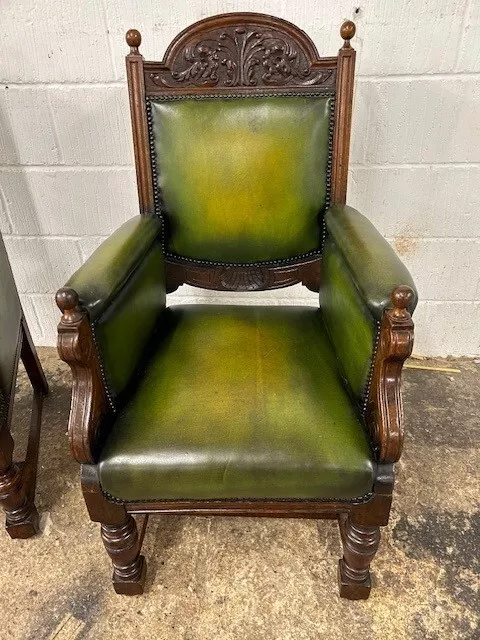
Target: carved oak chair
17 480
241 139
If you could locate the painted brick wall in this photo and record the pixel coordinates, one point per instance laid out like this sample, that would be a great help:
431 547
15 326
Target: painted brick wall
66 174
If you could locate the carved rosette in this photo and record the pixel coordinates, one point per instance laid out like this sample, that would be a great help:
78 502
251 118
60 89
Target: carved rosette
243 56
243 278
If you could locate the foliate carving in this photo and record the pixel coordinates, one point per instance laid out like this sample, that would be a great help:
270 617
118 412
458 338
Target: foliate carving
243 56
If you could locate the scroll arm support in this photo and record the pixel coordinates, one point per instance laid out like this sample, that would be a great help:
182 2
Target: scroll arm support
76 347
385 407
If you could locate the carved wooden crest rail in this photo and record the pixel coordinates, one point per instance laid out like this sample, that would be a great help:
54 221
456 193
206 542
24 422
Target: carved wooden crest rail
246 56
245 51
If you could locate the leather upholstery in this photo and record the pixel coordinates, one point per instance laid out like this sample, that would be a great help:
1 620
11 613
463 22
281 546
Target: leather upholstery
123 331
10 324
348 320
359 272
238 402
122 285
104 273
375 267
242 180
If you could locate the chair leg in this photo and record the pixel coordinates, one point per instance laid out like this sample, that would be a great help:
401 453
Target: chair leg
17 482
32 363
360 543
123 545
21 515
119 534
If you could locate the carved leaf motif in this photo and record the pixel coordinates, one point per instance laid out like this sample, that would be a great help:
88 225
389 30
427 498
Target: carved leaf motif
243 57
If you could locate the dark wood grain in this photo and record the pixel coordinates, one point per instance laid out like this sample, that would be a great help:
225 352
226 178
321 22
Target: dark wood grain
360 544
384 413
122 544
343 115
240 51
136 92
119 535
76 347
243 278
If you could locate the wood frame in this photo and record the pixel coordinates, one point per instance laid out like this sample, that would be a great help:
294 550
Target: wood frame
89 418
18 479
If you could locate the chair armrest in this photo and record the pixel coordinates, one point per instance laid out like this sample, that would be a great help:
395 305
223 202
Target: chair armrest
109 267
110 307
367 296
373 264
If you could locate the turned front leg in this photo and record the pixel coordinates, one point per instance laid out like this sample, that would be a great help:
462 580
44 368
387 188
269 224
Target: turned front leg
360 543
123 546
21 514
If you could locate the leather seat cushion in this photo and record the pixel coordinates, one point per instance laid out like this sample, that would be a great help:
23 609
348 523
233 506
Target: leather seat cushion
238 402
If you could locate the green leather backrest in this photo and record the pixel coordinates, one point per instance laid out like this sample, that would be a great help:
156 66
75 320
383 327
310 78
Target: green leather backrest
242 180
351 327
10 321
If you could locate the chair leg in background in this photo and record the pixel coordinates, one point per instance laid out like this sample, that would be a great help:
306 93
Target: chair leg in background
360 543
21 514
32 363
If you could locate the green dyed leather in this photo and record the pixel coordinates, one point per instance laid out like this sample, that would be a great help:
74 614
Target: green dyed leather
375 267
10 321
103 274
124 329
238 402
242 180
122 285
348 320
359 272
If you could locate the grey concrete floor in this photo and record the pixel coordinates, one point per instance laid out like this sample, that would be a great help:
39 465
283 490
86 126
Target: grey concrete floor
229 578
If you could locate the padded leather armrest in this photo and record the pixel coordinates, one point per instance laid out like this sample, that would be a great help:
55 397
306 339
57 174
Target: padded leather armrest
109 267
122 287
359 272
373 264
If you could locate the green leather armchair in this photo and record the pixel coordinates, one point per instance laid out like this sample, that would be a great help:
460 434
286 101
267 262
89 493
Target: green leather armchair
228 409
17 481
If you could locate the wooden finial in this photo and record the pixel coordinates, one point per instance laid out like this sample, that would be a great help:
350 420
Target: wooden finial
69 304
134 40
347 31
66 299
402 297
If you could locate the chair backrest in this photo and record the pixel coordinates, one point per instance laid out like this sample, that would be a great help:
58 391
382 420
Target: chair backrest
241 139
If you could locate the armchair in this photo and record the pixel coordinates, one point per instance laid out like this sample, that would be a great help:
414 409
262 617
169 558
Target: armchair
241 139
17 479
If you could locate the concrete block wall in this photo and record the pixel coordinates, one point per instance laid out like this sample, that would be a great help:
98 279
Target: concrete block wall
66 159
